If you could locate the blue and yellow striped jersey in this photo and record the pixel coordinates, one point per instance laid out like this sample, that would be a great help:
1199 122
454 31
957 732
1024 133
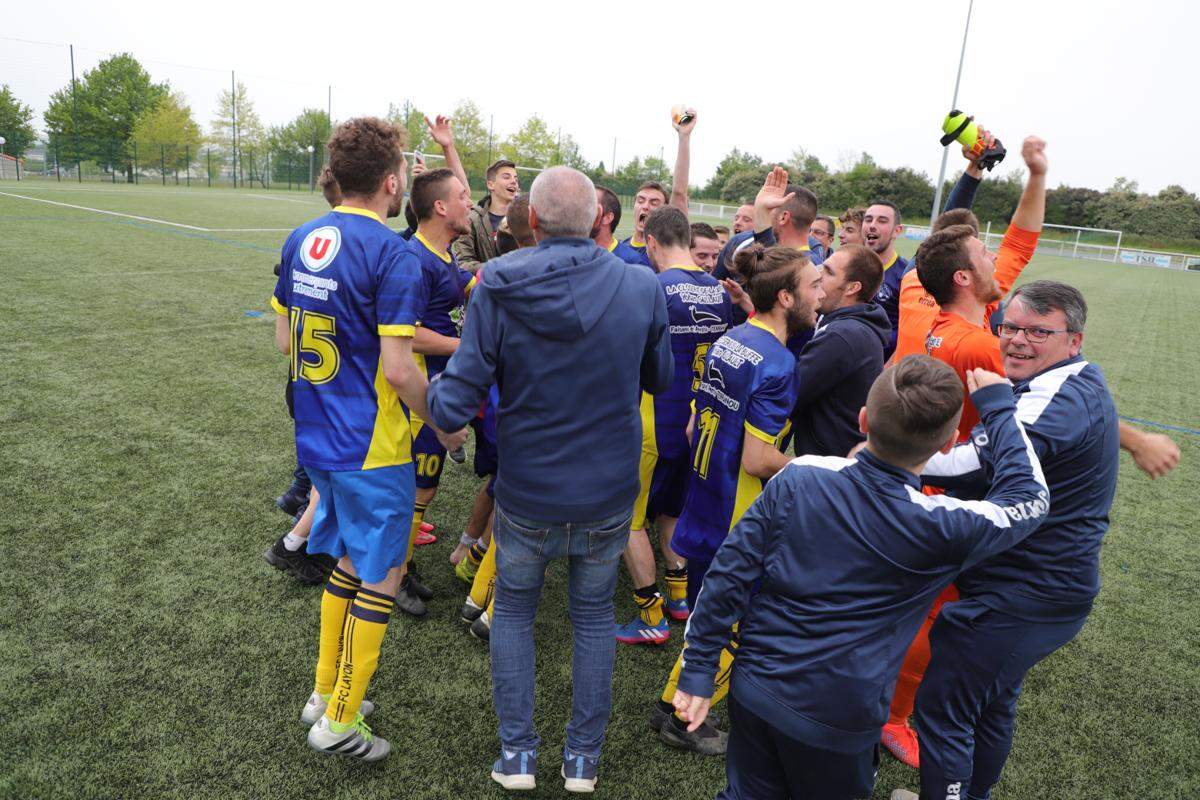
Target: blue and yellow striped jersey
345 280
698 313
632 252
445 286
749 386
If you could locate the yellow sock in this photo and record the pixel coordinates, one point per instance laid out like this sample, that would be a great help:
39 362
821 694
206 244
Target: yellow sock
668 695
650 608
418 518
491 606
339 594
365 625
484 586
677 584
477 553
720 683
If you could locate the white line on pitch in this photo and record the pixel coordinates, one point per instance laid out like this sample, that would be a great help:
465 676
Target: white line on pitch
111 213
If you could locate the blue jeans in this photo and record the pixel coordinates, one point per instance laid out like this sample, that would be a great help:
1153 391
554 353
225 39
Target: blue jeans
524 549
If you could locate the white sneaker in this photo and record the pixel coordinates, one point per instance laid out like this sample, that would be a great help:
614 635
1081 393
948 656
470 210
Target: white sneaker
904 794
314 709
358 742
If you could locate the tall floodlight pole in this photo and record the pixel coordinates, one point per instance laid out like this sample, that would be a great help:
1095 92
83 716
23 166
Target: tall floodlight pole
937 191
74 123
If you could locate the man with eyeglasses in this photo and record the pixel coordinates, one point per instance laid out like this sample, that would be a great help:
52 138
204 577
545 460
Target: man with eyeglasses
1018 607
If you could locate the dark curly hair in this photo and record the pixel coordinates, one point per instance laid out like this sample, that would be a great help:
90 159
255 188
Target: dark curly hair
363 151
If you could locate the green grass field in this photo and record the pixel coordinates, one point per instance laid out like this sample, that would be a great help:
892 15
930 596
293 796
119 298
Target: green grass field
148 651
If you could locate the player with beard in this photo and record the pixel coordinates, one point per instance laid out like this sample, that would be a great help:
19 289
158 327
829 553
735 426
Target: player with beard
605 229
881 226
652 194
742 409
698 313
442 205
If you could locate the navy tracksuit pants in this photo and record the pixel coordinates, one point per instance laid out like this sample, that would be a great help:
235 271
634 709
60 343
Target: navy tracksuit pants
763 763
967 703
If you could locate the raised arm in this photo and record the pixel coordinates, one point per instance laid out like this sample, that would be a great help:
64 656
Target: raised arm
443 134
683 162
1031 211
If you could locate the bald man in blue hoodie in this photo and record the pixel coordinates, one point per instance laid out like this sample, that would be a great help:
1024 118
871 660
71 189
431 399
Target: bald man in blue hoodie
572 336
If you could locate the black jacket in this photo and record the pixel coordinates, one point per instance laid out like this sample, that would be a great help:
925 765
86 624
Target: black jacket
834 372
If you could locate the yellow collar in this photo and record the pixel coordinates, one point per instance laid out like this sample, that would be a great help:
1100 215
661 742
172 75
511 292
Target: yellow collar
635 243
891 261
612 245
421 238
362 212
758 324
685 267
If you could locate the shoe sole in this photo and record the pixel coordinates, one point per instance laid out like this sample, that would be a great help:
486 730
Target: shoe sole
515 783
644 640
387 749
577 785
679 616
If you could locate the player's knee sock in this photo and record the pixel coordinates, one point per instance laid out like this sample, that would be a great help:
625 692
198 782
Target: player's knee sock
677 584
650 604
477 553
720 684
363 636
415 528
668 694
724 669
483 587
340 591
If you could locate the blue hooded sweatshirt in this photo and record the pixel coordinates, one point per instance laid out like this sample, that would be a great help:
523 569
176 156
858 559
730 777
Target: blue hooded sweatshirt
571 335
834 373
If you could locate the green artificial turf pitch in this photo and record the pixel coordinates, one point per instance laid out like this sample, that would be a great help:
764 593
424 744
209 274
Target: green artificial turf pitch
148 651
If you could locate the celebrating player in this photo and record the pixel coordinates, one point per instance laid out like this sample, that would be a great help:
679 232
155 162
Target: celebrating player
652 194
837 367
850 231
881 226
699 311
349 298
442 205
742 406
705 246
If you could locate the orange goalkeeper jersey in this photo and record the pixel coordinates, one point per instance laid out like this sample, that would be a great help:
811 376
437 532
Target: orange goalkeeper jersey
918 309
925 328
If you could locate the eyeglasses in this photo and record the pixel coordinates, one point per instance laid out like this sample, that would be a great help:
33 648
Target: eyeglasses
1032 333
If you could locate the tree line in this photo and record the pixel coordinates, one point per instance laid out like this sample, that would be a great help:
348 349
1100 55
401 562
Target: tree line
118 113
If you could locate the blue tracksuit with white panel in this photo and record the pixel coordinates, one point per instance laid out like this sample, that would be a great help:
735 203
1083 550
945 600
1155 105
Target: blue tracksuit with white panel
1020 605
848 556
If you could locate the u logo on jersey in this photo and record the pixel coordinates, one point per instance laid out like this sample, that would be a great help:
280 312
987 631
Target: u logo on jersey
320 247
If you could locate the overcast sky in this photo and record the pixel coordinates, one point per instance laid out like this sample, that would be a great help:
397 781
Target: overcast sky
1112 86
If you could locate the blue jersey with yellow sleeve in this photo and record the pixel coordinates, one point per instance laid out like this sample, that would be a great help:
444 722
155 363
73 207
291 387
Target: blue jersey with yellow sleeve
698 313
749 386
445 286
632 252
346 279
